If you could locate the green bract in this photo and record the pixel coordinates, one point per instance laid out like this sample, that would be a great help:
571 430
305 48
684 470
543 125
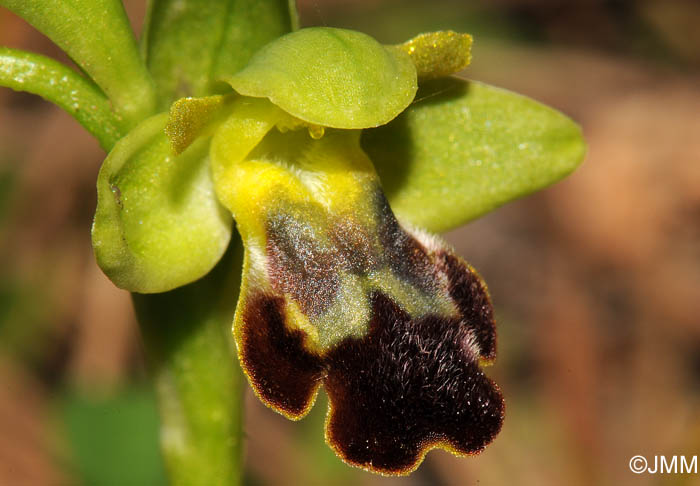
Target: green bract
158 225
331 77
97 36
189 45
63 86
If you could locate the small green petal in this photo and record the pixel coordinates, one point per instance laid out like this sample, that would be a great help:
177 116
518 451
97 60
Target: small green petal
158 224
439 54
465 148
331 77
191 117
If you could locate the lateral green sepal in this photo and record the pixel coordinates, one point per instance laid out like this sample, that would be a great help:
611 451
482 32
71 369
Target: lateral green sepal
464 148
158 224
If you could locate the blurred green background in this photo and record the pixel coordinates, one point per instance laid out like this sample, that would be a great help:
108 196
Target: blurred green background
595 280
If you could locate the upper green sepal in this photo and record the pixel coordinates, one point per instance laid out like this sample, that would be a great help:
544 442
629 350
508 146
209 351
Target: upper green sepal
464 148
331 77
158 224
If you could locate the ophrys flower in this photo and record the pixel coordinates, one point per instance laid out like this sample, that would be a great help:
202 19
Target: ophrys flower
330 161
335 290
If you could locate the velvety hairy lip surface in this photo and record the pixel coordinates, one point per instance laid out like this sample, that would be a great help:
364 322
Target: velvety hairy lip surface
283 373
299 266
409 386
472 298
407 257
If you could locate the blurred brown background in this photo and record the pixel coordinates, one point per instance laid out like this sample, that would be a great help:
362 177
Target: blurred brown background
596 281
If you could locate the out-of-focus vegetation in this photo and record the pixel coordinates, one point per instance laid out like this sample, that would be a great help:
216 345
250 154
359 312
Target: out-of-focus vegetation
595 280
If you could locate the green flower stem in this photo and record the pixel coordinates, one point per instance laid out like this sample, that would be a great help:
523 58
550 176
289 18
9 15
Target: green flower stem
24 71
293 14
188 340
97 36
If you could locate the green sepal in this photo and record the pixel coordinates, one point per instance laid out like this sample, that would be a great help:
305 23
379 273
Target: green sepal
331 77
464 148
158 224
190 44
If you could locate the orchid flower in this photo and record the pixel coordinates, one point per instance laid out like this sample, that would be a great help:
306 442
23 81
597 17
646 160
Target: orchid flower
336 157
